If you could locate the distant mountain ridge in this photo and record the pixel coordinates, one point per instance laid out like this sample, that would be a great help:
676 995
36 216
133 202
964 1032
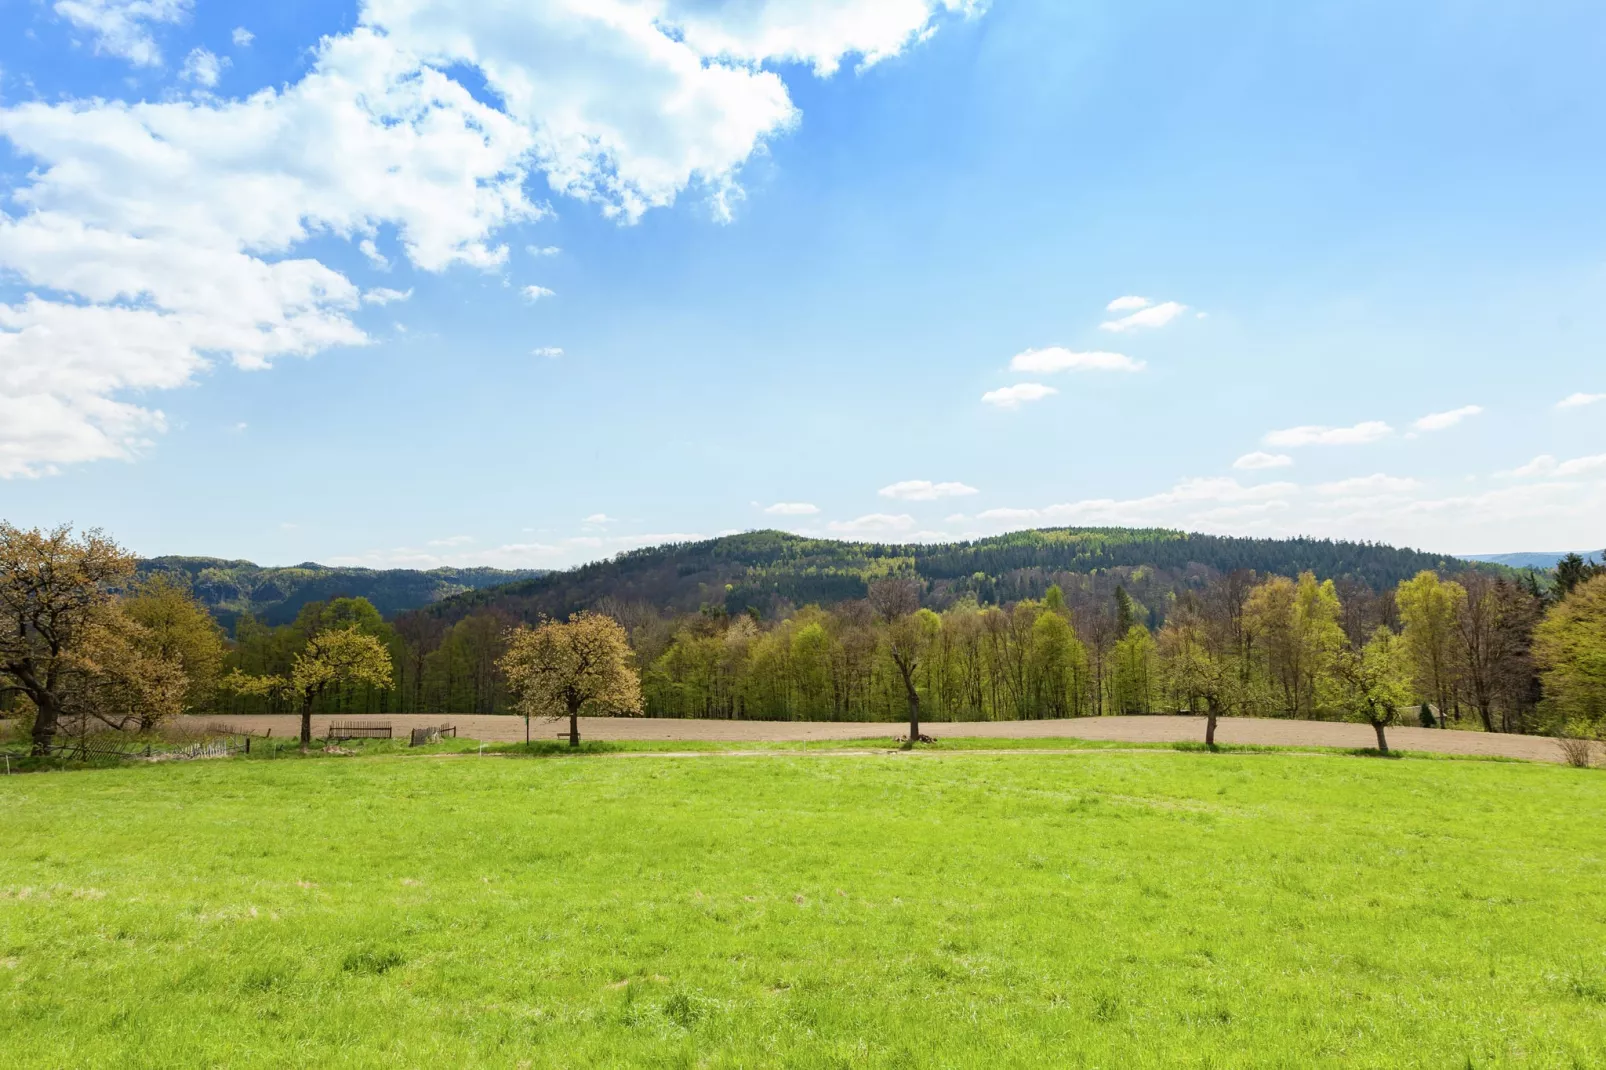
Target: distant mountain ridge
276 595
767 570
1540 559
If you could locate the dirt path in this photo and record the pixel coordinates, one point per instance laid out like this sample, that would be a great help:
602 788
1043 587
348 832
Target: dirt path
1118 729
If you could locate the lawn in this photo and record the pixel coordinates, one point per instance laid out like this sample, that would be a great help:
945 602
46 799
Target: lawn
1104 908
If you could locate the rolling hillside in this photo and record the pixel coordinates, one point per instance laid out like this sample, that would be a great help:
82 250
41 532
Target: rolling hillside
764 570
276 595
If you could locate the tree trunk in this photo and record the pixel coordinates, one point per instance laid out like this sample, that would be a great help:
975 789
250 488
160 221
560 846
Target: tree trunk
1382 744
1210 728
574 726
306 722
47 715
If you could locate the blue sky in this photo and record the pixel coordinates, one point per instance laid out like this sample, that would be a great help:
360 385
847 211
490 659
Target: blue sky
905 269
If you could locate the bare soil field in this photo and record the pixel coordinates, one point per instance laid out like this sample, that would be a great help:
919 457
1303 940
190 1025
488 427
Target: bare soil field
1119 729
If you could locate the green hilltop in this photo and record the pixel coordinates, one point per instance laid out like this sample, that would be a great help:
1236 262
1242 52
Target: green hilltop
275 595
763 570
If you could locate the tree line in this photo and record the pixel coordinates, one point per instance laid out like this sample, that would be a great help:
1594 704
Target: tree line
85 640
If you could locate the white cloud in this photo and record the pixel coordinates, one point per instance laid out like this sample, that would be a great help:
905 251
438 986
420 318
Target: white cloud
542 250
382 296
157 233
1439 421
1369 485
1547 466
242 37
1257 460
452 540
122 27
600 518
923 490
203 68
1128 304
552 352
874 524
792 509
533 294
1578 401
1205 503
1310 435
1152 316
1058 359
1012 397
817 32
160 237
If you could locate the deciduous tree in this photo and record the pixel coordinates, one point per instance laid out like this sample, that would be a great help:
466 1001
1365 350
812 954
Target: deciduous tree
1372 683
582 665
1570 646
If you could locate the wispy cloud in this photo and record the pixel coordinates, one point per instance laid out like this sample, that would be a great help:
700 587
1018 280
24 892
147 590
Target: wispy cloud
542 250
1255 461
1128 304
1439 421
1152 316
1369 485
533 294
1013 397
1312 435
923 490
202 67
1549 467
552 352
792 509
1058 359
383 296
1578 401
874 524
452 540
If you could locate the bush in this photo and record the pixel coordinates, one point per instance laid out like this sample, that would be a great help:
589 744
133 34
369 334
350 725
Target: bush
1425 716
1577 743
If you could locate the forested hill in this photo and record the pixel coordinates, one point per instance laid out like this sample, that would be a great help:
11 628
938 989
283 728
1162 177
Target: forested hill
276 595
767 570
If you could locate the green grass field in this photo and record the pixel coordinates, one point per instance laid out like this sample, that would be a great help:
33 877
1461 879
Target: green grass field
1099 909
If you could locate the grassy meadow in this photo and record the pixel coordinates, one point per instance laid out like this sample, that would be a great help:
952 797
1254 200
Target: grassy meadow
985 909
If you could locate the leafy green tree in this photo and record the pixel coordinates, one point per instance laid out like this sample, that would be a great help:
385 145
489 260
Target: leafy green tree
1058 663
178 628
1132 682
1430 608
338 657
1572 571
1570 646
566 668
908 635
1372 684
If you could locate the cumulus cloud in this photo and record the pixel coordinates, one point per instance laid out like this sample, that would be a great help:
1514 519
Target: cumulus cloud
1578 401
1210 502
1128 304
1058 359
1012 397
1257 460
122 28
1439 421
923 490
1151 316
792 509
202 67
157 239
1311 435
874 524
242 37
533 294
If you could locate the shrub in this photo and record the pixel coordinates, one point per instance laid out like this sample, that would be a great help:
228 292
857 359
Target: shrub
1577 745
1425 716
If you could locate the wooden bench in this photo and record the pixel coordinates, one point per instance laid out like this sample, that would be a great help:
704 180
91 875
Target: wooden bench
341 730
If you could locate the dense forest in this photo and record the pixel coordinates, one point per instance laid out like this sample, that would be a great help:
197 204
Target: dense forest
771 572
1059 623
275 595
